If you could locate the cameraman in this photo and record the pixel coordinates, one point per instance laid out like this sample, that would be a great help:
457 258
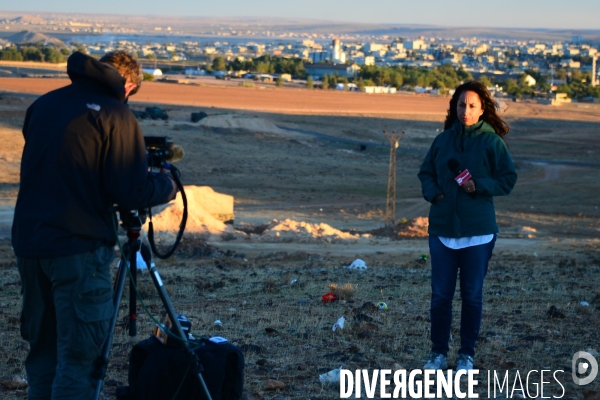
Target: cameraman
84 151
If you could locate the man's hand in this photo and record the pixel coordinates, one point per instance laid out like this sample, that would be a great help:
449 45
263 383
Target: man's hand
173 193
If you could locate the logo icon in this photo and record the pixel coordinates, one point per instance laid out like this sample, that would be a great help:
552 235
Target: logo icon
580 368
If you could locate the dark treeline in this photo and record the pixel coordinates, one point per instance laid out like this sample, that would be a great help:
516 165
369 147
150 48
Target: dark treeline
38 53
266 64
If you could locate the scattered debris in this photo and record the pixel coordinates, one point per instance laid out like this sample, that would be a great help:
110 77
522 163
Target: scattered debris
329 297
358 264
272 384
382 305
332 376
584 304
339 324
13 382
218 323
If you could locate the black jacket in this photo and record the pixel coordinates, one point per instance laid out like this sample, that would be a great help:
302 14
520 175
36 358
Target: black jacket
84 151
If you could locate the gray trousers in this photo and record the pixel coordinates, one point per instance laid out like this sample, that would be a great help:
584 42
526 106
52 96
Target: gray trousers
67 306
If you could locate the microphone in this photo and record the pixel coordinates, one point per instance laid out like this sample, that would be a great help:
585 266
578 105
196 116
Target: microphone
461 176
176 153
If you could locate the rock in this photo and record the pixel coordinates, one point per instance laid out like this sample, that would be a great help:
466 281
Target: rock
13 382
247 396
156 113
272 384
398 367
302 367
368 326
197 116
555 312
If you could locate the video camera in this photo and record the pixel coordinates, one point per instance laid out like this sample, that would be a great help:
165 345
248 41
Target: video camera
161 150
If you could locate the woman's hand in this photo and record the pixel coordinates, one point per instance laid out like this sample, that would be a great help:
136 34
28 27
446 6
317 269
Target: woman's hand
469 186
436 198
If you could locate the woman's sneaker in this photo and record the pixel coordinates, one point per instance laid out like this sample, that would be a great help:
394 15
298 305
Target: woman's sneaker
436 361
464 362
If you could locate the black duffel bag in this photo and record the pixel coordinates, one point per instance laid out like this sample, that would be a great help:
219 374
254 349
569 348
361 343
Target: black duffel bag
160 372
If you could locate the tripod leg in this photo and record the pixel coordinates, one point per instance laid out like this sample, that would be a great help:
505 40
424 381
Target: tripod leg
102 362
175 322
132 292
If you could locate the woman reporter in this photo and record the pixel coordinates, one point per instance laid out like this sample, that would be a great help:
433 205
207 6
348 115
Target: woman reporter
462 219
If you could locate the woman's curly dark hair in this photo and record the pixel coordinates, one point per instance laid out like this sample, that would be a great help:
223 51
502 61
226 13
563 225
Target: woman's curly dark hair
488 105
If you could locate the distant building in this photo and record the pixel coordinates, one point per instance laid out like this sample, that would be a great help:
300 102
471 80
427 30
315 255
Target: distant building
194 71
418 44
154 72
371 47
318 70
529 80
379 89
556 99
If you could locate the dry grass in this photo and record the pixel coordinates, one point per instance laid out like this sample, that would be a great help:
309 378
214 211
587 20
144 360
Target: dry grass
343 292
286 333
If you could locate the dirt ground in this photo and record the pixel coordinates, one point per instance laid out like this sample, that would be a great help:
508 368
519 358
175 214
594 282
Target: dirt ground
547 253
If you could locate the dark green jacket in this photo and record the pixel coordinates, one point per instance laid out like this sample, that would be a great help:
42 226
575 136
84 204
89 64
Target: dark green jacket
480 150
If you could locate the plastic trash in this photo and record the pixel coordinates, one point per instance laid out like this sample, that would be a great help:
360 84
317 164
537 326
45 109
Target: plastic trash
329 297
218 323
139 261
339 324
358 264
293 281
585 304
423 257
382 305
332 376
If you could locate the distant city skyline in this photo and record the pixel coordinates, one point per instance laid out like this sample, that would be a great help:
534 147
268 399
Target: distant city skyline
536 14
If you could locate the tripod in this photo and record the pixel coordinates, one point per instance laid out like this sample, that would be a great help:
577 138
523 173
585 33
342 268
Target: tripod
132 223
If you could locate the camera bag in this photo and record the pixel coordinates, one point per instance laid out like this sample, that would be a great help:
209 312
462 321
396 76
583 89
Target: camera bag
160 372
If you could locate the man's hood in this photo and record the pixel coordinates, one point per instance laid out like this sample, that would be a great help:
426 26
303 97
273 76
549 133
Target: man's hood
80 65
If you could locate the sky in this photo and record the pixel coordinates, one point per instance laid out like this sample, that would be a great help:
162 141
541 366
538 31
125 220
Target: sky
552 14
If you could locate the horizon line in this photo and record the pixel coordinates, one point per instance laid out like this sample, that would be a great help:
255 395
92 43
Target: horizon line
299 21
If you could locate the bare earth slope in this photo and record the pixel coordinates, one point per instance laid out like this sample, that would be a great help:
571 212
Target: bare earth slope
326 193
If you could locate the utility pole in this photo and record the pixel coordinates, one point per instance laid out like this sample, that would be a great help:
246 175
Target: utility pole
390 206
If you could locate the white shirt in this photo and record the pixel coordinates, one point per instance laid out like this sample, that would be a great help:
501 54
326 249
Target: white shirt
461 243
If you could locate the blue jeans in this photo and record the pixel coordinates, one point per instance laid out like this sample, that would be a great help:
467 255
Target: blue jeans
445 264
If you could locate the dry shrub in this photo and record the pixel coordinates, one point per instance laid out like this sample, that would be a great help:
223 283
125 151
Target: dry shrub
270 285
345 292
